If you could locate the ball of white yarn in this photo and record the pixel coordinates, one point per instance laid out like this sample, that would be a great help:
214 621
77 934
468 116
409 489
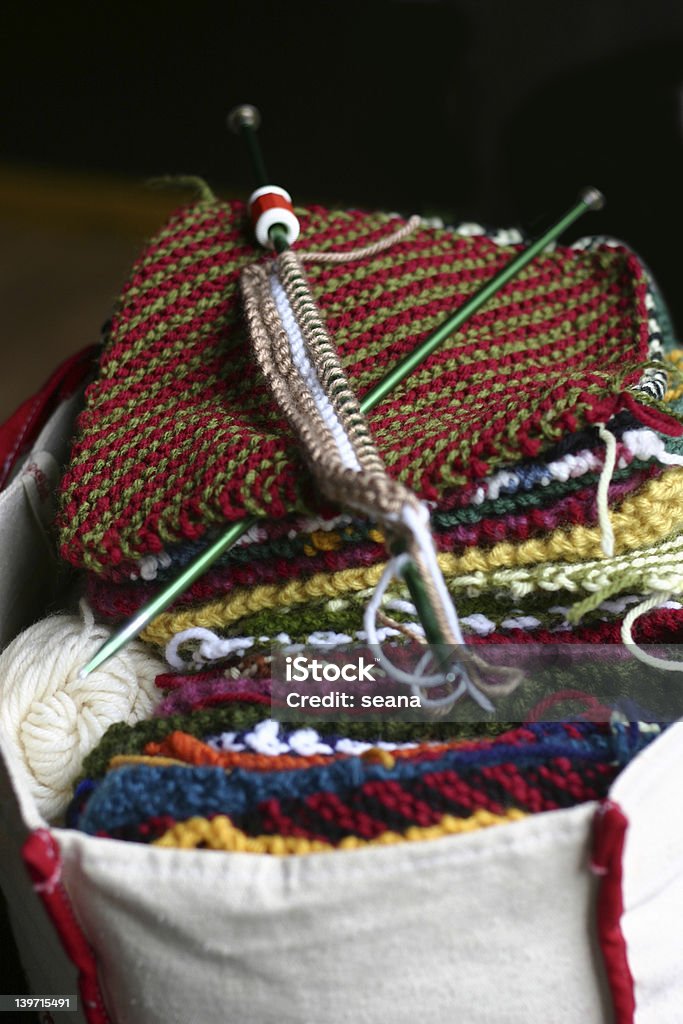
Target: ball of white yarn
49 718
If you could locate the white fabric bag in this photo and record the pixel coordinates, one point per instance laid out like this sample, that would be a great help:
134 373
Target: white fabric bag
501 926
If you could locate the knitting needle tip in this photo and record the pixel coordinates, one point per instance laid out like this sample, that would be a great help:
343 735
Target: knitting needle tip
103 654
243 116
592 197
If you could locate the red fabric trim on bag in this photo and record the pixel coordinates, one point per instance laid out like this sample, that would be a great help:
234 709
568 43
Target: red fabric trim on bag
22 428
44 864
608 848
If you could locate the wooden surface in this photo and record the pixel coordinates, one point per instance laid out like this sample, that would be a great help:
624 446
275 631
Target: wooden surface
66 246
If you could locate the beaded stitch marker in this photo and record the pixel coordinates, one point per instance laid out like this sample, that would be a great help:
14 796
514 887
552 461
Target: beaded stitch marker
271 208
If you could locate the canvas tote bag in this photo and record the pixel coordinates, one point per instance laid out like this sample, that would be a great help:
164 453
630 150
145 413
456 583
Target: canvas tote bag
567 917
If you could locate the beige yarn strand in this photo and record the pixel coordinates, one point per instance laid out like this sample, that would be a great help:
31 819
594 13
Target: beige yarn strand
369 250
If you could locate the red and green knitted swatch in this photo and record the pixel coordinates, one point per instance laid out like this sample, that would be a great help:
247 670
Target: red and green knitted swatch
179 431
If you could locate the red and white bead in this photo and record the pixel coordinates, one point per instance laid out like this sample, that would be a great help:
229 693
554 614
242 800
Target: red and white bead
272 205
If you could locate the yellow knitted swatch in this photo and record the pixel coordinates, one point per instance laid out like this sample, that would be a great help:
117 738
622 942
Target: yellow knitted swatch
219 833
676 358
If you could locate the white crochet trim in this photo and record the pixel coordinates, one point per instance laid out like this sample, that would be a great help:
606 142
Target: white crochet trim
267 737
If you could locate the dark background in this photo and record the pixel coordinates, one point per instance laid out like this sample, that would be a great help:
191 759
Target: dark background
491 110
482 108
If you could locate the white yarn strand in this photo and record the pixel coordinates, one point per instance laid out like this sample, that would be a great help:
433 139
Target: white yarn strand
604 521
211 647
656 601
417 681
646 445
418 524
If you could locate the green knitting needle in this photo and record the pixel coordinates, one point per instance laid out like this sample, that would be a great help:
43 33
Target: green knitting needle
589 199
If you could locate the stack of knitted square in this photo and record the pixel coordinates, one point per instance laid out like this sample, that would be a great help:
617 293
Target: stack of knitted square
503 431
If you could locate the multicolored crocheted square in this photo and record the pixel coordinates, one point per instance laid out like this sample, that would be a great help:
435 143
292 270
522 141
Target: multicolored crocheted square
179 431
535 768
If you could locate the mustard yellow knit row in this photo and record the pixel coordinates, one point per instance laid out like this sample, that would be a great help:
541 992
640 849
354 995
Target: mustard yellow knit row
647 516
643 518
676 358
656 568
219 833
122 760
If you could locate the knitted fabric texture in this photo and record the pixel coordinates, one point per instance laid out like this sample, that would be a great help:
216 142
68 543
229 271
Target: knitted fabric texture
178 415
526 485
534 507
249 656
198 693
651 515
274 738
552 767
244 718
218 833
675 393
183 747
360 544
610 670
491 613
